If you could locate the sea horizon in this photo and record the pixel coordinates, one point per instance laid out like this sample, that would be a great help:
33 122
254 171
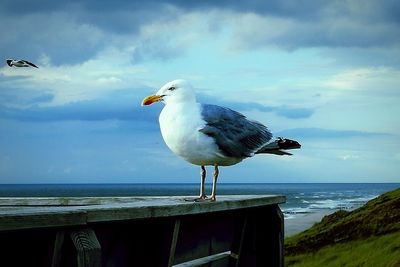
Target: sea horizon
47 183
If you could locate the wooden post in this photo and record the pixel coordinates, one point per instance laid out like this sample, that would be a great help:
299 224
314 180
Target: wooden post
173 242
87 247
269 237
57 253
261 238
241 242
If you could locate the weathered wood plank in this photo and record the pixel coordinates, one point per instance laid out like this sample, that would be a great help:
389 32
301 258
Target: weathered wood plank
31 216
280 224
269 237
177 206
175 235
68 201
57 253
40 219
87 201
87 246
236 256
204 260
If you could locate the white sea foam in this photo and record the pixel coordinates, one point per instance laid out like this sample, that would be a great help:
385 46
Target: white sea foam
319 203
340 203
294 213
289 216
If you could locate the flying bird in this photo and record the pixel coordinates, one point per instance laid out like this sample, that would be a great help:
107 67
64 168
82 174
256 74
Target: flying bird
20 63
205 134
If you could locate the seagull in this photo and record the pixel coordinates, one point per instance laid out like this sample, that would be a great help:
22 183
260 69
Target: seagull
211 135
20 63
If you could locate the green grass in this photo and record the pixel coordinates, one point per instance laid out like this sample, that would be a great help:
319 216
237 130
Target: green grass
368 236
374 251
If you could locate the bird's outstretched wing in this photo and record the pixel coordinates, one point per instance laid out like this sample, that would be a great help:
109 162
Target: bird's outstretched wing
29 63
235 135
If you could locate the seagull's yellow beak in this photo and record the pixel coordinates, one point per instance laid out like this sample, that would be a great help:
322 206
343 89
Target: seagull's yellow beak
151 99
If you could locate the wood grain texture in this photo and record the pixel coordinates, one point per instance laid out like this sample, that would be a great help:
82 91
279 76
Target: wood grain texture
28 213
58 245
175 235
87 246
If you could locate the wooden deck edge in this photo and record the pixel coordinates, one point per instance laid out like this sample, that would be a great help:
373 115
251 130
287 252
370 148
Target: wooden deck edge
89 201
25 217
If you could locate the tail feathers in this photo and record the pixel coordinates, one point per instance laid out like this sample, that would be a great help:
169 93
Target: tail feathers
278 146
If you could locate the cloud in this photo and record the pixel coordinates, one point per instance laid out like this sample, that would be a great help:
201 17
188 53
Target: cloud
360 57
294 113
349 157
121 105
75 32
21 97
379 81
279 7
279 25
61 36
283 111
109 71
117 105
332 30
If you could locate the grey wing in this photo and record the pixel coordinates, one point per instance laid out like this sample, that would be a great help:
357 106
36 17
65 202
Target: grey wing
235 135
29 63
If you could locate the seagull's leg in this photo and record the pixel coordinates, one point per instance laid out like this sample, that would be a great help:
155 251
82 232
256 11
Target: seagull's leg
202 182
202 196
214 186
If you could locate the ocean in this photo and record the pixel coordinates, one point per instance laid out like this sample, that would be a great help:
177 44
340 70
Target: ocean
302 198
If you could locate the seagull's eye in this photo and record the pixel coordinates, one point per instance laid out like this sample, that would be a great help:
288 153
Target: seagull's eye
171 88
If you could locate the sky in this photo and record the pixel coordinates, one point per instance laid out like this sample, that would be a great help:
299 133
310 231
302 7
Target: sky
325 73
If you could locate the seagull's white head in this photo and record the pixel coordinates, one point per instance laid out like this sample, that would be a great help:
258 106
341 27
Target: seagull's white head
172 92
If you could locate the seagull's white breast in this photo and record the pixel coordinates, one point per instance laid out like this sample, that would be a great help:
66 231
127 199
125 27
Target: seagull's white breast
180 124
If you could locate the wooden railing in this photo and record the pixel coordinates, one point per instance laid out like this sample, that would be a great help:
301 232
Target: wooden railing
141 231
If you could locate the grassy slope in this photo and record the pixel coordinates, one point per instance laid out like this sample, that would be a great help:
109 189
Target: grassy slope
370 234
374 251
